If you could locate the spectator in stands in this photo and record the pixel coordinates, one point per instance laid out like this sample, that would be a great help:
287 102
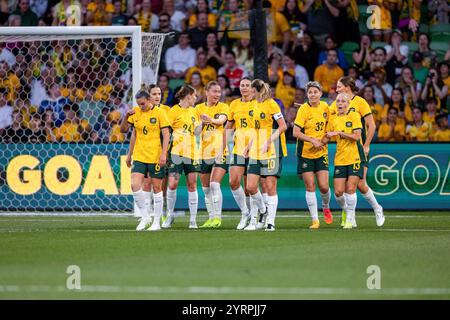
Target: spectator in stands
278 30
382 32
392 130
59 13
49 125
419 130
202 7
290 115
411 87
397 53
146 18
56 103
215 53
99 13
430 111
330 43
176 17
36 132
295 17
362 56
420 72
115 103
285 89
199 33
224 83
275 71
444 76
115 135
6 111
180 57
435 88
382 89
6 55
320 15
306 52
167 96
299 72
300 96
15 20
39 7
197 84
16 132
439 11
442 132
244 55
70 130
377 110
232 70
9 81
328 73
118 18
27 16
353 73
346 21
403 109
169 41
207 72
429 56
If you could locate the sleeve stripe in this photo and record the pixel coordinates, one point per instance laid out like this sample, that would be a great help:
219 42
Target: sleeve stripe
356 129
367 114
164 127
298 126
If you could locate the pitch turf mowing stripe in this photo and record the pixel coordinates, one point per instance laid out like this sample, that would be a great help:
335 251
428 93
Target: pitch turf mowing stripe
226 290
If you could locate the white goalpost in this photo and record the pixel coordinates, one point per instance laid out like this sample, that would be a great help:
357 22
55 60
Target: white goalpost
63 92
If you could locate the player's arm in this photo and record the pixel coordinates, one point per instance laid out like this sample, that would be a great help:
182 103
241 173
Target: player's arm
371 127
218 122
354 136
125 125
282 127
131 148
301 136
165 146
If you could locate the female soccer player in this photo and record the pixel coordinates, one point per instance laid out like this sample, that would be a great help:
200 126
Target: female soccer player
310 127
264 161
149 122
155 99
240 120
361 107
214 166
350 157
184 153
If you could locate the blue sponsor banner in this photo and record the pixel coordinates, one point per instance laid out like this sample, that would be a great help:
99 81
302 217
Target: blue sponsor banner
95 177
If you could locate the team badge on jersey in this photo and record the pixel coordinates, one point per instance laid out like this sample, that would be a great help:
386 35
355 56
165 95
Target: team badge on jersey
193 119
250 113
348 124
153 120
216 116
262 115
325 115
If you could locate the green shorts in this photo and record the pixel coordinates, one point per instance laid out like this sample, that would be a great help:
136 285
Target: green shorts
153 170
312 165
356 169
239 161
179 164
265 168
208 164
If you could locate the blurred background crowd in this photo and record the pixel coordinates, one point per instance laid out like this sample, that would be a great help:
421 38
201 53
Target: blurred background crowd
78 90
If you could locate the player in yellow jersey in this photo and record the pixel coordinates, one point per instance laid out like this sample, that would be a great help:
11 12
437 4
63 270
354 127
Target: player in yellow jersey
184 153
214 165
349 160
310 127
149 154
155 99
262 150
360 106
240 126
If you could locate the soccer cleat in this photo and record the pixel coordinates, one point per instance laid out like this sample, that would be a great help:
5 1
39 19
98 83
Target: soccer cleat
348 225
270 227
315 224
193 225
250 227
328 217
143 224
261 221
343 218
216 223
379 216
245 219
354 225
168 222
154 227
207 224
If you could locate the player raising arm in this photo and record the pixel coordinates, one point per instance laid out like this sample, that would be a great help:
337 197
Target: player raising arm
350 157
149 154
183 154
310 127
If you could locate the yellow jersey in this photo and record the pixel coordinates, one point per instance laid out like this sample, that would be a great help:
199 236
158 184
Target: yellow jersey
407 111
385 129
421 133
285 94
328 76
347 151
312 121
377 111
68 132
183 122
441 135
164 107
430 119
212 135
358 105
148 125
265 116
241 115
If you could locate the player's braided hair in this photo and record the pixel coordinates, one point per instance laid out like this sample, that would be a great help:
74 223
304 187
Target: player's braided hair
262 88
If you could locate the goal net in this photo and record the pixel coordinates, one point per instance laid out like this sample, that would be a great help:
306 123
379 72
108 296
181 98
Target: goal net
63 93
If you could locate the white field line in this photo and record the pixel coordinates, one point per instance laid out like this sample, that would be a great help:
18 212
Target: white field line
223 290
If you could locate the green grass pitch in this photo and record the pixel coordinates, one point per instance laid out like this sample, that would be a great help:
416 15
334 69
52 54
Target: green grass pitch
116 262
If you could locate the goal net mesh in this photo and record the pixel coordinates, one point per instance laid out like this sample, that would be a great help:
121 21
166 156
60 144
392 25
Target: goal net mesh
62 98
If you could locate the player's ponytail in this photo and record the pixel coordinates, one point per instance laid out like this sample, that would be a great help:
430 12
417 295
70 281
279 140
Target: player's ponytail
262 89
348 81
184 91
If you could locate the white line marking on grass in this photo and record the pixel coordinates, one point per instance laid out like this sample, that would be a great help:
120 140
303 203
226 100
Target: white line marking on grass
223 290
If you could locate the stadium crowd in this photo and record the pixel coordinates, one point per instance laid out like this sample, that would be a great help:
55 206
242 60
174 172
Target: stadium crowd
78 91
